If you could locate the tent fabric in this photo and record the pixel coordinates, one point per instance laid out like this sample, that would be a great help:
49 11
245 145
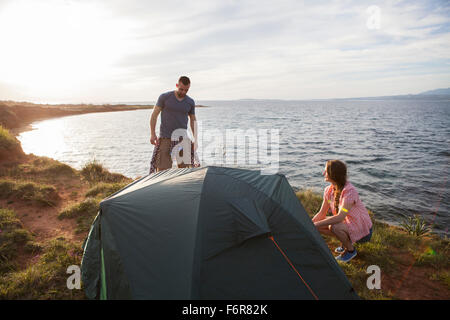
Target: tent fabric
91 262
103 295
205 233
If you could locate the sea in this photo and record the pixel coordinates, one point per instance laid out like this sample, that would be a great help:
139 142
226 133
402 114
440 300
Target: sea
397 151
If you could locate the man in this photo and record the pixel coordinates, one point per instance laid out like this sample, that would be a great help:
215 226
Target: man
175 107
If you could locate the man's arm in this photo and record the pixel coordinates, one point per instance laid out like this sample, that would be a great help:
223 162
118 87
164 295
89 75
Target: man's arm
153 119
193 123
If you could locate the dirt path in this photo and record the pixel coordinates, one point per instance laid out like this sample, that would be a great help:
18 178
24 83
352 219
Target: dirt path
42 221
412 282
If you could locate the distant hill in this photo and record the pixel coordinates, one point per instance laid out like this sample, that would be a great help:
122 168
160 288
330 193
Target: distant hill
437 94
443 91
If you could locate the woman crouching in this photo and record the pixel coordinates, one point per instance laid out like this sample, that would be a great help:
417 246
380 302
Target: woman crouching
350 222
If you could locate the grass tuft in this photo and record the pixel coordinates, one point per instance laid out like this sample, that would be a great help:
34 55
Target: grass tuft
29 191
42 168
7 140
12 236
10 148
104 189
94 172
84 212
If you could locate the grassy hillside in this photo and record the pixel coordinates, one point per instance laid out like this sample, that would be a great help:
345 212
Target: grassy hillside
46 208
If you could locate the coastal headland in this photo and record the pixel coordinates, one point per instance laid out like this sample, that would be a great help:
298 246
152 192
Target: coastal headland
17 116
46 208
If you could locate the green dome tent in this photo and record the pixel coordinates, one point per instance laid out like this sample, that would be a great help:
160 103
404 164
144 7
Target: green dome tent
208 233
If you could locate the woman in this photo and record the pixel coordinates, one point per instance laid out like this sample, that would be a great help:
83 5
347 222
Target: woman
350 222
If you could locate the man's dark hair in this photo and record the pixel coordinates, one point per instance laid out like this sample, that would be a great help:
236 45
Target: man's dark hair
184 80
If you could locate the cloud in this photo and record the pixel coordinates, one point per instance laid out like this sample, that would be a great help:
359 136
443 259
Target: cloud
262 49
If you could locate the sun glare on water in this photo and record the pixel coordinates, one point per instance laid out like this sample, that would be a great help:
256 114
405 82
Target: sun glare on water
48 46
48 141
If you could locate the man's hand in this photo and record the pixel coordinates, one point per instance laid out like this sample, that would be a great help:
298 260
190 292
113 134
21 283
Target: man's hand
153 139
153 118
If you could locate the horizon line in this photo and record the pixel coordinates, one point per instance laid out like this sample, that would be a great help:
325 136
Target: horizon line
423 94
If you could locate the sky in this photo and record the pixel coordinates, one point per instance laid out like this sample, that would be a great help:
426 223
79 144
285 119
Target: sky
67 51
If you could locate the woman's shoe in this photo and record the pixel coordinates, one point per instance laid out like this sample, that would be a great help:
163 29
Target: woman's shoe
346 256
339 250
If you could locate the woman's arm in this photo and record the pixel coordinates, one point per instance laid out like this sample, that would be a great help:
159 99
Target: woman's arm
322 212
337 218
331 220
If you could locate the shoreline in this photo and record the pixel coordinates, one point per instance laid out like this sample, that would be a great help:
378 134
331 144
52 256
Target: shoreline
23 114
29 126
18 116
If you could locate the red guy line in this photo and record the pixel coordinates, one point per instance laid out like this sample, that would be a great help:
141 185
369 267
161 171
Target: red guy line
292 266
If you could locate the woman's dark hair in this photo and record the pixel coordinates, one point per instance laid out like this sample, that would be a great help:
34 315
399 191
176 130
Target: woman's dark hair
337 171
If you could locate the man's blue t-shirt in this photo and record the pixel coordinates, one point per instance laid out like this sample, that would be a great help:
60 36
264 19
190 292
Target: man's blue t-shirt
174 114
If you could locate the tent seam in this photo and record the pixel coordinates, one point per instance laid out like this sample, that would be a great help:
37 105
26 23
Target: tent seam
196 230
